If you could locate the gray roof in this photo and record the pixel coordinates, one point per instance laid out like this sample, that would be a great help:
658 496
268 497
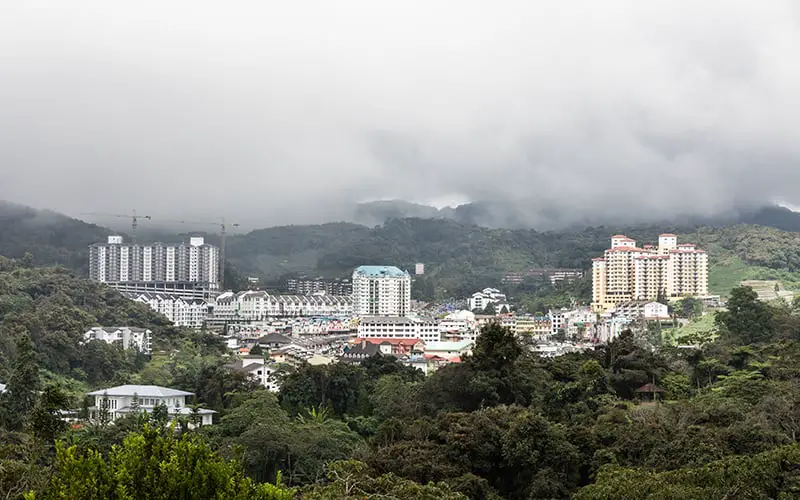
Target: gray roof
274 338
153 391
241 367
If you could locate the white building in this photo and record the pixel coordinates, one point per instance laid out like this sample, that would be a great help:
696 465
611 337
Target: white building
460 324
189 313
190 270
419 268
449 350
649 311
558 320
381 291
2 388
128 337
119 401
260 371
391 327
481 300
260 305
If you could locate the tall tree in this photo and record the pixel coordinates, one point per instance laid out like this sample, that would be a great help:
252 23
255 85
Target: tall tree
747 320
23 387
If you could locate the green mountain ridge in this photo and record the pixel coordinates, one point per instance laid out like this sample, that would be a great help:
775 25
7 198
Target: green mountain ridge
458 257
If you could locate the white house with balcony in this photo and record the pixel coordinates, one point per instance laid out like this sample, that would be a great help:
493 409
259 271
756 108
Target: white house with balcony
122 400
259 370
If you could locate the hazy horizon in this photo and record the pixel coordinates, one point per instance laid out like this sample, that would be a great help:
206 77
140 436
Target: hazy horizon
270 114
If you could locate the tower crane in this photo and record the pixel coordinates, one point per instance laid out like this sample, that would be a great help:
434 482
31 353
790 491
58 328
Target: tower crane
133 217
223 226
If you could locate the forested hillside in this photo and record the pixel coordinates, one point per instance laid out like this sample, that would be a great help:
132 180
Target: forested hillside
52 238
459 258
718 421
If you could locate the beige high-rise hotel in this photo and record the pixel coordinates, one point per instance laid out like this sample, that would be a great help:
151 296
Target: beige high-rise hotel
628 273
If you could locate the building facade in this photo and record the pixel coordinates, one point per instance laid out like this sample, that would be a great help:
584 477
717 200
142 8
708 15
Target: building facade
188 269
629 273
481 300
258 305
139 339
115 402
392 327
189 313
307 286
381 291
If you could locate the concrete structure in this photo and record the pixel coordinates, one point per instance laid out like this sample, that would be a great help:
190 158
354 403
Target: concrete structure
390 327
452 351
188 269
2 388
189 313
459 325
119 401
381 291
554 275
539 327
128 337
260 305
481 300
307 286
258 370
419 268
628 273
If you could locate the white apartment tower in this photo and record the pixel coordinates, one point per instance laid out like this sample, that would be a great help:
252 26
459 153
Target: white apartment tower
190 270
381 291
628 273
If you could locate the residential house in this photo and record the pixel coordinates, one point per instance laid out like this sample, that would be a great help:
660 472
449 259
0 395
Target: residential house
128 337
259 370
481 300
452 351
126 399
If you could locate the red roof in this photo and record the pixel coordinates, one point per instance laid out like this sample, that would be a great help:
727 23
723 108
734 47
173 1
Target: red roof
668 235
687 245
597 259
625 249
619 236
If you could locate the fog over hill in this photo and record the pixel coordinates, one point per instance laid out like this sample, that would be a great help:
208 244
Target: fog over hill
539 114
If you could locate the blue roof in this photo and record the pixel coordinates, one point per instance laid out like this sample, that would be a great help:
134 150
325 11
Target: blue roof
378 271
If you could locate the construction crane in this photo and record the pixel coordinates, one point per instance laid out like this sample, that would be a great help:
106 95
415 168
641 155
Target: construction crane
223 226
133 217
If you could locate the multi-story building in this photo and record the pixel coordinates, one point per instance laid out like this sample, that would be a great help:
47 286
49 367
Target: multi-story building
628 273
139 339
258 305
481 300
190 270
393 327
306 286
381 291
190 313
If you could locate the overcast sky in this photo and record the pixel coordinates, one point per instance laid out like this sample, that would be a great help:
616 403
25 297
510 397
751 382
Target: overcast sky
284 111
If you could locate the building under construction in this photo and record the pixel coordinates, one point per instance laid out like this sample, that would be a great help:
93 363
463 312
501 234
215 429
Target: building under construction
189 270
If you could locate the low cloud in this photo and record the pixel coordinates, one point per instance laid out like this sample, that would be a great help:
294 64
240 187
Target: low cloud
290 112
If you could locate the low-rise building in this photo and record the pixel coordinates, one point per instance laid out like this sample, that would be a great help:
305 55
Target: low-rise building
258 369
181 311
481 300
128 337
391 327
452 351
258 305
115 402
539 327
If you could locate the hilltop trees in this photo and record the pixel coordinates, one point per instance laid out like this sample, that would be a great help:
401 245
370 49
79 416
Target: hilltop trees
747 320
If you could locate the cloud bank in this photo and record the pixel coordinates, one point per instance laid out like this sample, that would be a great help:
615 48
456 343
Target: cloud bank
289 112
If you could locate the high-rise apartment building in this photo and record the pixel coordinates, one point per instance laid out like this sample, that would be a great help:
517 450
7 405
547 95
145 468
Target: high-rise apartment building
628 273
381 291
190 270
